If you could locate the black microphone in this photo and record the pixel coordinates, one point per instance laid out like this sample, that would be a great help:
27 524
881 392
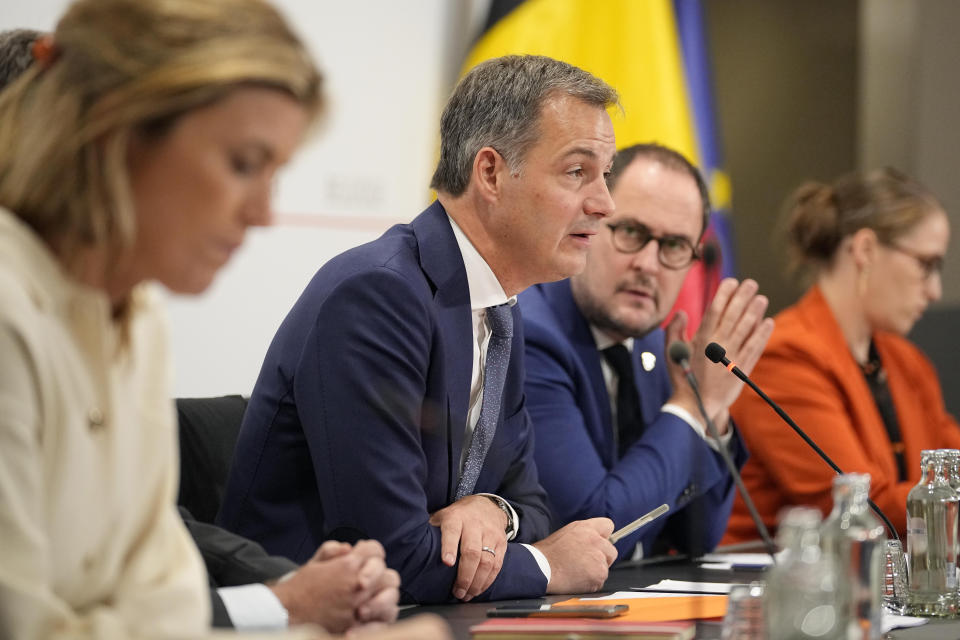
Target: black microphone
711 255
711 262
679 353
716 353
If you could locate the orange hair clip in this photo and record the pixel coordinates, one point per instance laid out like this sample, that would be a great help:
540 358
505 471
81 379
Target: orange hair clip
45 50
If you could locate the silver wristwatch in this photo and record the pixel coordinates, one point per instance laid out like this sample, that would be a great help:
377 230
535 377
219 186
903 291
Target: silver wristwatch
500 502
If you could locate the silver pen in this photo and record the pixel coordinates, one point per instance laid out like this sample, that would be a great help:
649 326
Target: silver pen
639 522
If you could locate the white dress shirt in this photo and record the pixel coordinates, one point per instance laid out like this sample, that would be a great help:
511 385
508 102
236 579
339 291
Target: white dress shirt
253 607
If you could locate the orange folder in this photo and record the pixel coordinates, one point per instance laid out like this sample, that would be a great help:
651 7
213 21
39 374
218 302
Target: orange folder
662 609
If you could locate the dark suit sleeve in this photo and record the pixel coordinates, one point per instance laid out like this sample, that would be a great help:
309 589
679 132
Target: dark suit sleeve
221 619
670 464
698 528
363 388
232 560
521 486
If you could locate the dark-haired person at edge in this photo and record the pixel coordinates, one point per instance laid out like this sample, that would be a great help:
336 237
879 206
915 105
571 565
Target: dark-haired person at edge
390 403
92 544
618 430
838 362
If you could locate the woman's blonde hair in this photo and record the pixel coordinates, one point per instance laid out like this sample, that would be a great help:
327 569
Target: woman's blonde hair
116 68
819 216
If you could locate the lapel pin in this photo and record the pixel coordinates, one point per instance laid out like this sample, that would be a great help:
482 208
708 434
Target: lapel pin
648 360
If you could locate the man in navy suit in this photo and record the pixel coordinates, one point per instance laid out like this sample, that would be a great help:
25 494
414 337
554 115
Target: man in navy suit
378 413
617 427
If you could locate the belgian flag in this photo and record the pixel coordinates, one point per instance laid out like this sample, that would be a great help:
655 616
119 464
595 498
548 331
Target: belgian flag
654 53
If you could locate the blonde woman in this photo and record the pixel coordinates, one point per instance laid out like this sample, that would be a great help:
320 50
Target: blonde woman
139 147
838 362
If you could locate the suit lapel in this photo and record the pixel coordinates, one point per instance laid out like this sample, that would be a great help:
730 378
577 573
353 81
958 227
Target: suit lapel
650 376
577 328
442 263
868 421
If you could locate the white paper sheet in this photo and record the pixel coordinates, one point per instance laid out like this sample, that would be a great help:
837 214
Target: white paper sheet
679 586
736 561
893 621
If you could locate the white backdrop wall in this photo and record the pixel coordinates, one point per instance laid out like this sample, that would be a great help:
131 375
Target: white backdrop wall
388 70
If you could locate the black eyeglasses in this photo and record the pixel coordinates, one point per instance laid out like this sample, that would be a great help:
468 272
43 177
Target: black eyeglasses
928 264
674 252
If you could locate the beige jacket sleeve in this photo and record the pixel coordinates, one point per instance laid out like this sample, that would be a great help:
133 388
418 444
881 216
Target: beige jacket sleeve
149 596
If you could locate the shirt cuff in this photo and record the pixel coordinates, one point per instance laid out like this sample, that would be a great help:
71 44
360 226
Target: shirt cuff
697 426
514 518
541 561
253 607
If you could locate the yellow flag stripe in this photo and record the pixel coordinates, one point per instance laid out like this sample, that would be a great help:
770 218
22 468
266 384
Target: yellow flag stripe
631 44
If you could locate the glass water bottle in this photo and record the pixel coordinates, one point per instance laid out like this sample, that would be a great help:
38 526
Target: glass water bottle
803 588
951 469
931 532
857 540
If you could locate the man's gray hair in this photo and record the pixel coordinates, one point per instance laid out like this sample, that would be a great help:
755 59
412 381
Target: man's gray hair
15 53
497 104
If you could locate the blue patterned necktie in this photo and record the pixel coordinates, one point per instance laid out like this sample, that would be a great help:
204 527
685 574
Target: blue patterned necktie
500 319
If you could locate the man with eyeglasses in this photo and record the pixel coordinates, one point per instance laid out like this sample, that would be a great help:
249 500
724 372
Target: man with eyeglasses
618 431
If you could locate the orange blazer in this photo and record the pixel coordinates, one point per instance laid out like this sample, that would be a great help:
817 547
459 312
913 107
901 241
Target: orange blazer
808 370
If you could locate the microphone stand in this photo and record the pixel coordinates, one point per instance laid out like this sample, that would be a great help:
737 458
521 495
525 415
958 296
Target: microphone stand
716 353
680 355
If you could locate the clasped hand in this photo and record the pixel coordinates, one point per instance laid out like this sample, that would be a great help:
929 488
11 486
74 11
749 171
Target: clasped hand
342 587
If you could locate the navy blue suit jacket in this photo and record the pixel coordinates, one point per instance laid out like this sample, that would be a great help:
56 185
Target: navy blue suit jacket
356 425
576 452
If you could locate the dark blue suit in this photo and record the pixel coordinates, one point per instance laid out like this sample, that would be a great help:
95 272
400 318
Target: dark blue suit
576 453
356 425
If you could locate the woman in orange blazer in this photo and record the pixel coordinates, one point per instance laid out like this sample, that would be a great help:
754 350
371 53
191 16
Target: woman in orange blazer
837 361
